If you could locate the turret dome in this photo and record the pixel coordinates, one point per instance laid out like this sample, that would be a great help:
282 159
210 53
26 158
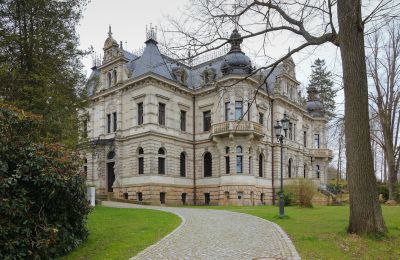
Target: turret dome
236 61
110 41
314 104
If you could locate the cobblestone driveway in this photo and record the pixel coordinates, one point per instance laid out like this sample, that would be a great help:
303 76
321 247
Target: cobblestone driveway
217 234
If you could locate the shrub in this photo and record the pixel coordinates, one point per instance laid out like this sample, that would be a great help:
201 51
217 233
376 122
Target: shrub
383 189
303 191
43 205
334 188
288 198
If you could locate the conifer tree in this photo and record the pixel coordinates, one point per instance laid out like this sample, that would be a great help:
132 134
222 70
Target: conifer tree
321 78
40 68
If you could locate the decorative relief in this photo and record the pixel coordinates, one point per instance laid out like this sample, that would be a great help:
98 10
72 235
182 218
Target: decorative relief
180 74
208 75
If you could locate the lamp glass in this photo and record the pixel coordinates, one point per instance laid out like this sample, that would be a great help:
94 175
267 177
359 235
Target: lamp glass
285 122
278 129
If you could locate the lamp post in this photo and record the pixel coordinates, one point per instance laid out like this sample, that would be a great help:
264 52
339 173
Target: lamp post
282 124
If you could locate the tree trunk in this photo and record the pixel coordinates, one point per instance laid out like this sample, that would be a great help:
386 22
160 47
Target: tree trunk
392 175
365 210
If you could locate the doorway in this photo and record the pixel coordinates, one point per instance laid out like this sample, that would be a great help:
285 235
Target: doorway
110 176
162 197
207 198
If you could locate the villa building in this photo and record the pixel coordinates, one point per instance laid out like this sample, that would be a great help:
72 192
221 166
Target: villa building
164 131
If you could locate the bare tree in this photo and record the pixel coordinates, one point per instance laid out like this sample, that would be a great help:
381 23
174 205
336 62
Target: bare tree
309 23
383 61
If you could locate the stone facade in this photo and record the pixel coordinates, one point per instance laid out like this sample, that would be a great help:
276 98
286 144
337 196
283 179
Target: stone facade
150 140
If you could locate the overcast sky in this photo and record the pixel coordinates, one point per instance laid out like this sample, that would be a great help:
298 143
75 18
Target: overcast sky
129 19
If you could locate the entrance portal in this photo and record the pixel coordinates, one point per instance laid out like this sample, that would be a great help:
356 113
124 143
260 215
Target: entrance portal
110 176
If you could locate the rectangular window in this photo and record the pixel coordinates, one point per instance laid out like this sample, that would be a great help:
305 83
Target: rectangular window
305 139
108 123
161 113
227 165
161 165
141 165
250 166
206 121
140 114
316 141
238 110
227 109
294 132
183 120
140 196
291 131
261 118
114 121
239 164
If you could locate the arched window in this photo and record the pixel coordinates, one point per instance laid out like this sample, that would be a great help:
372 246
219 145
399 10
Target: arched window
317 171
114 77
227 161
290 168
239 159
182 164
109 79
161 161
207 164
110 171
140 160
260 165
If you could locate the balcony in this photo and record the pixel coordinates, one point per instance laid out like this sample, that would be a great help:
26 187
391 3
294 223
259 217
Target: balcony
321 153
237 128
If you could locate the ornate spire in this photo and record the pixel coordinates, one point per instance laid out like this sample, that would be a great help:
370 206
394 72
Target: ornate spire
235 40
151 33
312 93
109 31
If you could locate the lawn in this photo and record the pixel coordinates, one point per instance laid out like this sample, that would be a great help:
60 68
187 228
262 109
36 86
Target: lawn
116 233
320 232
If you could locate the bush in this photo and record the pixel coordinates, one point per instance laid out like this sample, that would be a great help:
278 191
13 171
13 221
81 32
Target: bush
288 198
43 207
303 191
383 189
334 188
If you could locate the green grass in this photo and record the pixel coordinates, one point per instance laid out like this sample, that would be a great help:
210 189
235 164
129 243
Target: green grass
116 233
320 232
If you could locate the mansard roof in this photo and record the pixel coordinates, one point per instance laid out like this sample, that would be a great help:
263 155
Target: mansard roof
153 61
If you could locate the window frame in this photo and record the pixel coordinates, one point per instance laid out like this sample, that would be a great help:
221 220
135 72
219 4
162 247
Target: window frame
238 109
161 113
161 161
183 120
207 165
182 164
207 121
140 113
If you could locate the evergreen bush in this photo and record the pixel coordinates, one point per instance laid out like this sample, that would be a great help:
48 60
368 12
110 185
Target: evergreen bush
43 207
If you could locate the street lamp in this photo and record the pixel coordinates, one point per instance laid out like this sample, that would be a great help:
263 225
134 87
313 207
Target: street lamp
282 124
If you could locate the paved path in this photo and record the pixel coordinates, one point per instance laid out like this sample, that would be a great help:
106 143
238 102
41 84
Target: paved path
217 234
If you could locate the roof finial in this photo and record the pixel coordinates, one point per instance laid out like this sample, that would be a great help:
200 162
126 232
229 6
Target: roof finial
151 33
235 18
109 31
